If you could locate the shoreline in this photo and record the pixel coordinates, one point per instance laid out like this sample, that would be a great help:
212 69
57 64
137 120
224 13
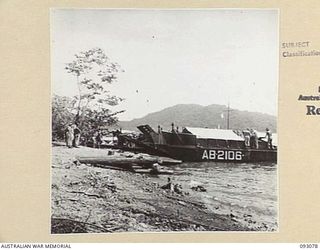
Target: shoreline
90 199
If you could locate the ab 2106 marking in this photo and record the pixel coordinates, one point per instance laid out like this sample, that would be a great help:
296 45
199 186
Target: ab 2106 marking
222 155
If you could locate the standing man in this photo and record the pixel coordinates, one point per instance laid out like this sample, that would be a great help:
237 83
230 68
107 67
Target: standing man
269 138
255 140
98 139
246 135
76 132
69 135
94 140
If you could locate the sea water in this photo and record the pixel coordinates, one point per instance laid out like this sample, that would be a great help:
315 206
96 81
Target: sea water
244 190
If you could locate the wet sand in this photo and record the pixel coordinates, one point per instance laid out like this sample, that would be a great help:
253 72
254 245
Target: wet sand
89 199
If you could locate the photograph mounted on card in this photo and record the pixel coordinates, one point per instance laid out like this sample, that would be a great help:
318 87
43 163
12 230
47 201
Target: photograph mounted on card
164 120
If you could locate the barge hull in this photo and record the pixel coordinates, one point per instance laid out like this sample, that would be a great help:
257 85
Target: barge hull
197 154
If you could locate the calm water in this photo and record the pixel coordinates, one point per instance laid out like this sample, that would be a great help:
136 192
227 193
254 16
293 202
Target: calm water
240 189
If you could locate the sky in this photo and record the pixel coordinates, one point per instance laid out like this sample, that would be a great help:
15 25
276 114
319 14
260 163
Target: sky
212 56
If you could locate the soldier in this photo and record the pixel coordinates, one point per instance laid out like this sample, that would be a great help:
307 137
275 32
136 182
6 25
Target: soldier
76 132
98 139
94 141
69 135
255 140
246 135
269 138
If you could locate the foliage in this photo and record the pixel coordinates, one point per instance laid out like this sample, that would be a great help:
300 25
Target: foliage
95 120
90 108
94 71
62 108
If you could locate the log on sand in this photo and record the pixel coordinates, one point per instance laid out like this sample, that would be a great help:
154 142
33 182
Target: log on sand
125 161
115 161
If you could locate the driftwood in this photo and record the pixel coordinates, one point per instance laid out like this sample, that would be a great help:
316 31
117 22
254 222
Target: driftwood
123 161
142 165
90 195
138 169
168 161
115 161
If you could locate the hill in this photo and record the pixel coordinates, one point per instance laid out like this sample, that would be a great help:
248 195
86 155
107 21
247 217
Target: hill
195 115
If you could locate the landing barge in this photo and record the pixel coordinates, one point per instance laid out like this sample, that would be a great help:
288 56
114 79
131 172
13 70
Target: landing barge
200 144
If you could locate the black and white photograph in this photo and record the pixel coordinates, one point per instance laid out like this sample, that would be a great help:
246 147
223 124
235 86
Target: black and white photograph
164 120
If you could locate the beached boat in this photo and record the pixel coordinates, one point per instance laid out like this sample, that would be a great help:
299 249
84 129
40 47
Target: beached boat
200 144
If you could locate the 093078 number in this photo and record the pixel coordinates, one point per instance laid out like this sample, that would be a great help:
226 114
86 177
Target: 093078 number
308 246
212 154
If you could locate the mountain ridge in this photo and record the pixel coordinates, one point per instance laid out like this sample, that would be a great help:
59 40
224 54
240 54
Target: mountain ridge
210 116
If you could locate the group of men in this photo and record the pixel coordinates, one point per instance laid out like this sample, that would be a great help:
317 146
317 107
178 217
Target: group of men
72 135
251 138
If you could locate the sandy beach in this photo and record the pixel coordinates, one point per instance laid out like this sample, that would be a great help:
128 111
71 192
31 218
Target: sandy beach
90 199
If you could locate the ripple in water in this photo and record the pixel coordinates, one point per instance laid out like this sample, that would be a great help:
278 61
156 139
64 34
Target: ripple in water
243 189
